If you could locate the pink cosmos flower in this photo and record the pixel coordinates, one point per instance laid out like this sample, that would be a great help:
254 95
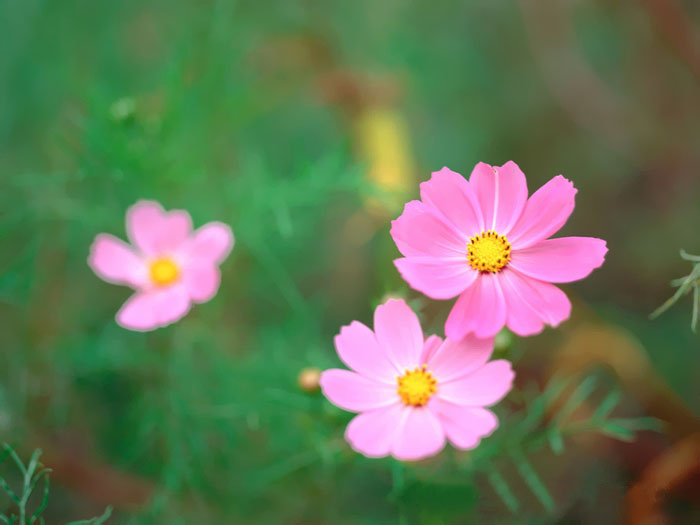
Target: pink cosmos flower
413 394
486 242
169 265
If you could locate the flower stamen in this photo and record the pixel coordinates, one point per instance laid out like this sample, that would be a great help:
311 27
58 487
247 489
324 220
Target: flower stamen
164 271
417 386
488 252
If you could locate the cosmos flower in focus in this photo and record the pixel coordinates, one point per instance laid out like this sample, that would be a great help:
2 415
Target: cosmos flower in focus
413 394
485 242
168 265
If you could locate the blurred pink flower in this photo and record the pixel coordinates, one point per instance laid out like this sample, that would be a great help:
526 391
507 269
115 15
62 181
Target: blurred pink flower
169 265
413 394
486 242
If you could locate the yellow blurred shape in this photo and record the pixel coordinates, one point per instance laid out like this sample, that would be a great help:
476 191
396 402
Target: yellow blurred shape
383 141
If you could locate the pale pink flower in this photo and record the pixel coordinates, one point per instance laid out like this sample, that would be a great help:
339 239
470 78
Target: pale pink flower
413 394
486 242
169 265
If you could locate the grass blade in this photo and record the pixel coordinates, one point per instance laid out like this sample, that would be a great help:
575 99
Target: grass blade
535 412
45 500
617 431
534 482
37 478
8 490
15 458
33 461
501 488
95 521
578 396
607 405
696 307
688 257
640 423
556 442
682 290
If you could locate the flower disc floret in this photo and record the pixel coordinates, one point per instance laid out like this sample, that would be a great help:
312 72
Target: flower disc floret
488 252
164 271
417 386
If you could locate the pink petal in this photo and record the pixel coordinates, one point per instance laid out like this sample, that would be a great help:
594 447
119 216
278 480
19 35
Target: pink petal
437 278
501 192
211 243
420 230
450 194
154 231
532 304
431 345
560 260
356 393
457 358
420 436
484 387
465 426
399 333
481 309
545 213
373 433
202 281
114 261
155 308
359 349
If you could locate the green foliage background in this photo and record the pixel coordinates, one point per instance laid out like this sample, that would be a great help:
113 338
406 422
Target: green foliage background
218 107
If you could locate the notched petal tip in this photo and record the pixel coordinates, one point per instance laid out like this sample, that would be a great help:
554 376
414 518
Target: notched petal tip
601 251
511 164
394 302
481 165
352 326
409 208
443 172
566 184
604 246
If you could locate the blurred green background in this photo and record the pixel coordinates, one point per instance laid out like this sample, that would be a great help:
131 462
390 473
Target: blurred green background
306 126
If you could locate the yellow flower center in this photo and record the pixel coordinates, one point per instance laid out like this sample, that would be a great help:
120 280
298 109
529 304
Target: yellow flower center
417 386
164 271
488 252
